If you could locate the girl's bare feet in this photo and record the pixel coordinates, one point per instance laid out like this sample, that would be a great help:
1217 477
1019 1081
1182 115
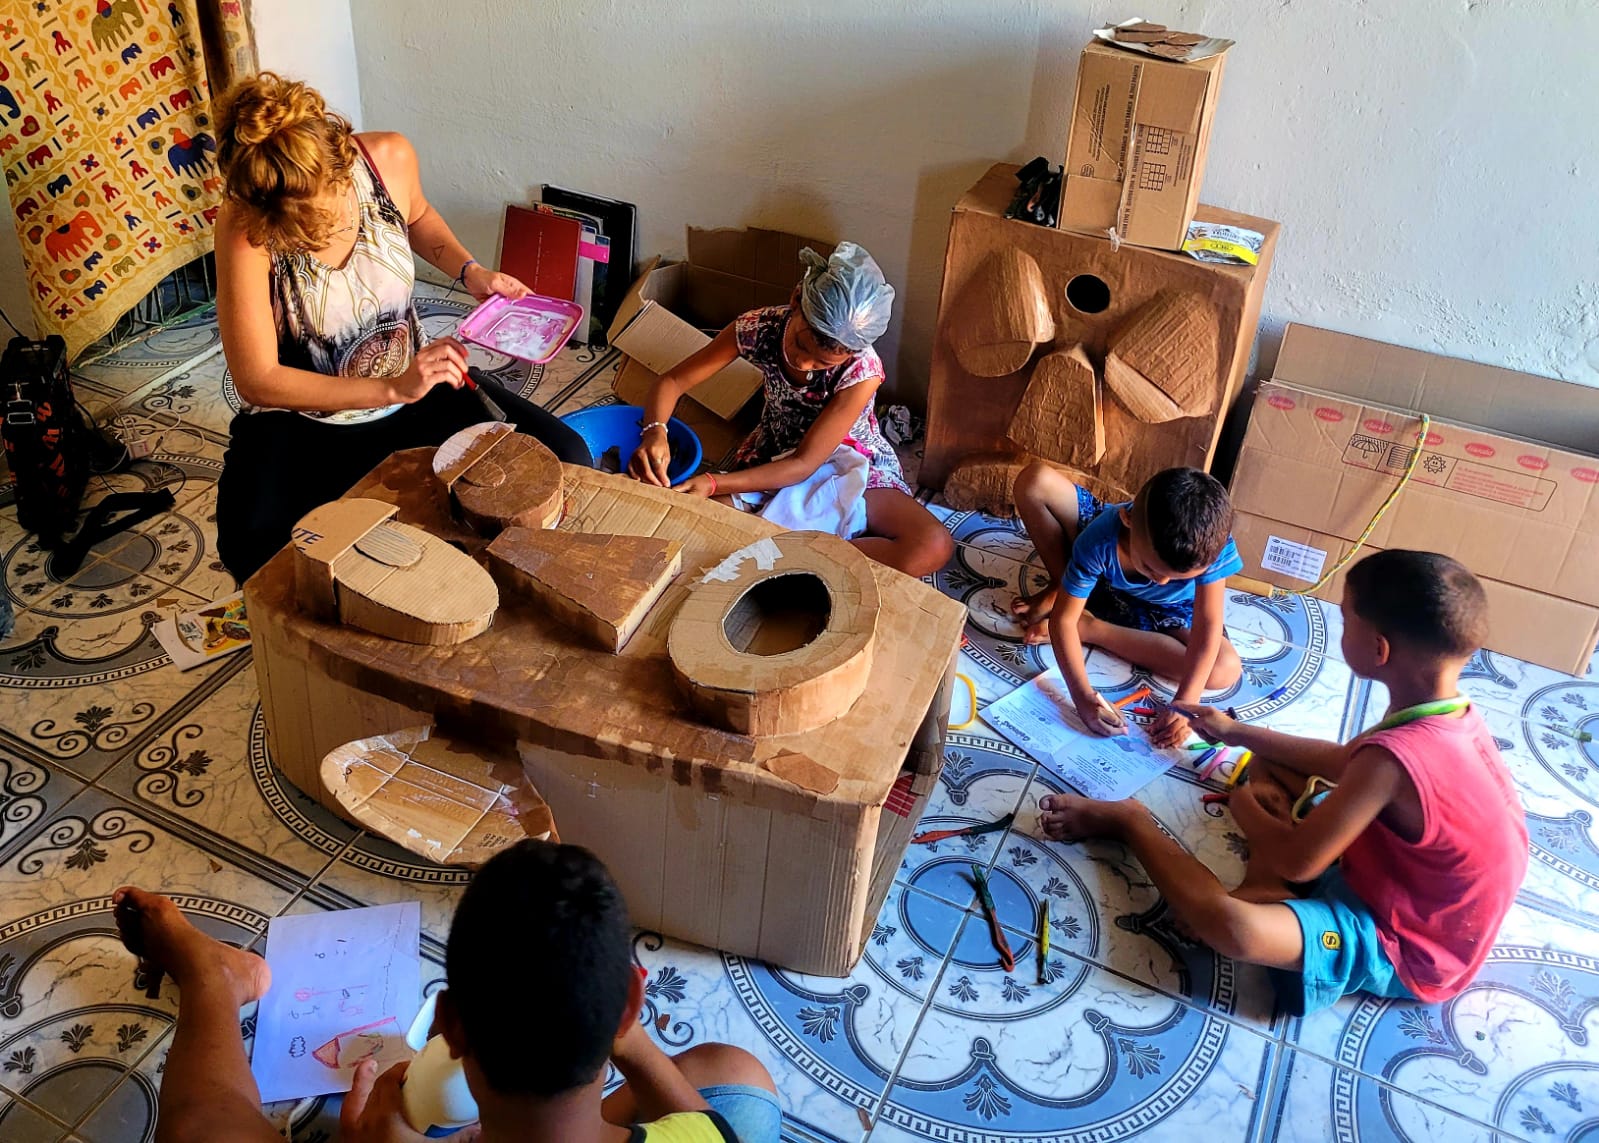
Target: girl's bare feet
1070 817
1032 612
156 931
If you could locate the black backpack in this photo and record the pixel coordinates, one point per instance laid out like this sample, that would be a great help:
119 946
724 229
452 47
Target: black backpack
47 438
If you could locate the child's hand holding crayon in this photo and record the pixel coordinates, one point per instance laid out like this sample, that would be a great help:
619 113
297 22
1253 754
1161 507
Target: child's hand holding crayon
1209 723
1169 729
1098 715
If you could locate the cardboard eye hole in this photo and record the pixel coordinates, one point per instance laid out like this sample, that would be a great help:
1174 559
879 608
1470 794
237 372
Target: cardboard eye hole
1088 294
779 615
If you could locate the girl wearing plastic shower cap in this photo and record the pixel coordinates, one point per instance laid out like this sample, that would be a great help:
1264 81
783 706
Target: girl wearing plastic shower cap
818 459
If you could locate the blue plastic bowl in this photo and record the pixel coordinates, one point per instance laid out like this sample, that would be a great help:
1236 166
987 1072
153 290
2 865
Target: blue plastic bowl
617 426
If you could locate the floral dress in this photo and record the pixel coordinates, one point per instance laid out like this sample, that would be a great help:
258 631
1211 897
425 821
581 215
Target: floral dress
790 410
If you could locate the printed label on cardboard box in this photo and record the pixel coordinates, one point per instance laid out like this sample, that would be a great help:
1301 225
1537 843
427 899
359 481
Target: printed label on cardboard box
1501 484
1301 561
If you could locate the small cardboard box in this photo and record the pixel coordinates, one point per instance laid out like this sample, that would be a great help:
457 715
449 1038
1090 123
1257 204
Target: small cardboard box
1135 157
1518 507
675 309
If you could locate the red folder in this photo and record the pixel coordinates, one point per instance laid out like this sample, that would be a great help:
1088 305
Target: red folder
541 250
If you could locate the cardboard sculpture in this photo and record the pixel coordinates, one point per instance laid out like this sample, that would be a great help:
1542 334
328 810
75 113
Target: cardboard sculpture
1334 429
1162 364
1061 412
603 586
496 477
781 848
352 565
442 800
778 637
1181 332
1001 316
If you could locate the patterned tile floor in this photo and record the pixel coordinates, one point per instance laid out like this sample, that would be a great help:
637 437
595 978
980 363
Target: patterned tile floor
116 767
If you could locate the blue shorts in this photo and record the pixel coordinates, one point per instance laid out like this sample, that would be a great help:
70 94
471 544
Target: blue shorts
1343 953
1117 607
752 1112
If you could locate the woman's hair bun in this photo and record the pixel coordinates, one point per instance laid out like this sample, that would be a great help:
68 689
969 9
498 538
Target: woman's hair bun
264 104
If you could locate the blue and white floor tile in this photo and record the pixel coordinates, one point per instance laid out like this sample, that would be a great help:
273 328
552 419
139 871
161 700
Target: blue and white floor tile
114 767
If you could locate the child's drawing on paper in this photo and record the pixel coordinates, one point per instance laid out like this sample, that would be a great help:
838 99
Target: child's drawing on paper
345 986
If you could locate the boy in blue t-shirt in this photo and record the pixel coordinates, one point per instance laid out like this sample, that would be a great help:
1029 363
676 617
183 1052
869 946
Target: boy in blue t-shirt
1144 580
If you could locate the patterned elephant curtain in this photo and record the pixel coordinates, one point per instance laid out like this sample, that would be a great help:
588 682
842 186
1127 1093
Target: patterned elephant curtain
107 142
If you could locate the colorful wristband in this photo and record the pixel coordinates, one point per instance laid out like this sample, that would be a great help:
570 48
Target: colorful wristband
711 476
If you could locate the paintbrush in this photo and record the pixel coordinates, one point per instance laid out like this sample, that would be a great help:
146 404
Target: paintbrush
493 410
964 831
1007 959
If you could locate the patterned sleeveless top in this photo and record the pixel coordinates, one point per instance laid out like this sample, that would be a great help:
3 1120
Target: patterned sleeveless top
356 320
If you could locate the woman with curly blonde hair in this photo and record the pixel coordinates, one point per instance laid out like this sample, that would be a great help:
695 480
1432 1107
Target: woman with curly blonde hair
314 248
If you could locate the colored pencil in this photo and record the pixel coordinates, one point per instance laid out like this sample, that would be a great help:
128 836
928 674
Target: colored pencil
1128 700
1238 769
1043 938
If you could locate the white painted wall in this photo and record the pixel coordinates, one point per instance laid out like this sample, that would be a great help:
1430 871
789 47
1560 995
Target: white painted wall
307 39
1432 161
311 40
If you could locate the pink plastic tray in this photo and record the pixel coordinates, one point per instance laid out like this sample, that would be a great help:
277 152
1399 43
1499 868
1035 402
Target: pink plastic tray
534 328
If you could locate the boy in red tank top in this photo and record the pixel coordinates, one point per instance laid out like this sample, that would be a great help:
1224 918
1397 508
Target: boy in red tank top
1391 873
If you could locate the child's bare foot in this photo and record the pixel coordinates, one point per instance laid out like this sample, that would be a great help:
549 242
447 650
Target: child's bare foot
155 929
1032 612
1070 817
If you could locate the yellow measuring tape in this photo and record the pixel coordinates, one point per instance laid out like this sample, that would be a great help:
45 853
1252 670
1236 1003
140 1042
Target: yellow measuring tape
1360 542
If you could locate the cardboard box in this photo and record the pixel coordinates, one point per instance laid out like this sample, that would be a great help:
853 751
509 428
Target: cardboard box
970 415
718 838
1135 158
1321 454
718 437
675 309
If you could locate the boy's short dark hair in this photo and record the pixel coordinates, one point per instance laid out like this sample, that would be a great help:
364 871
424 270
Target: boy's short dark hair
1186 515
1422 599
538 961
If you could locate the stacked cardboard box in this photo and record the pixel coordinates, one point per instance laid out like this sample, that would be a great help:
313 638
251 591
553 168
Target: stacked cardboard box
1140 129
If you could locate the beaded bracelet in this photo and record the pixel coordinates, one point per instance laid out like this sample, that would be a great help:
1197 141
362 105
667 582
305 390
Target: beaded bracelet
652 425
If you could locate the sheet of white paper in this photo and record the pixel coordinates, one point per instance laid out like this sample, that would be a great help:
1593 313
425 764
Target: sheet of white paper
1039 717
345 987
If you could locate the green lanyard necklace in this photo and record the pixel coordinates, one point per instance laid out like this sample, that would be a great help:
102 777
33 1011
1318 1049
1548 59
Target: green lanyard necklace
1421 710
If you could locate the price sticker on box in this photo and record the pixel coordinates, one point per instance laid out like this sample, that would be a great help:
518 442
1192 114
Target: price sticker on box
1300 561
